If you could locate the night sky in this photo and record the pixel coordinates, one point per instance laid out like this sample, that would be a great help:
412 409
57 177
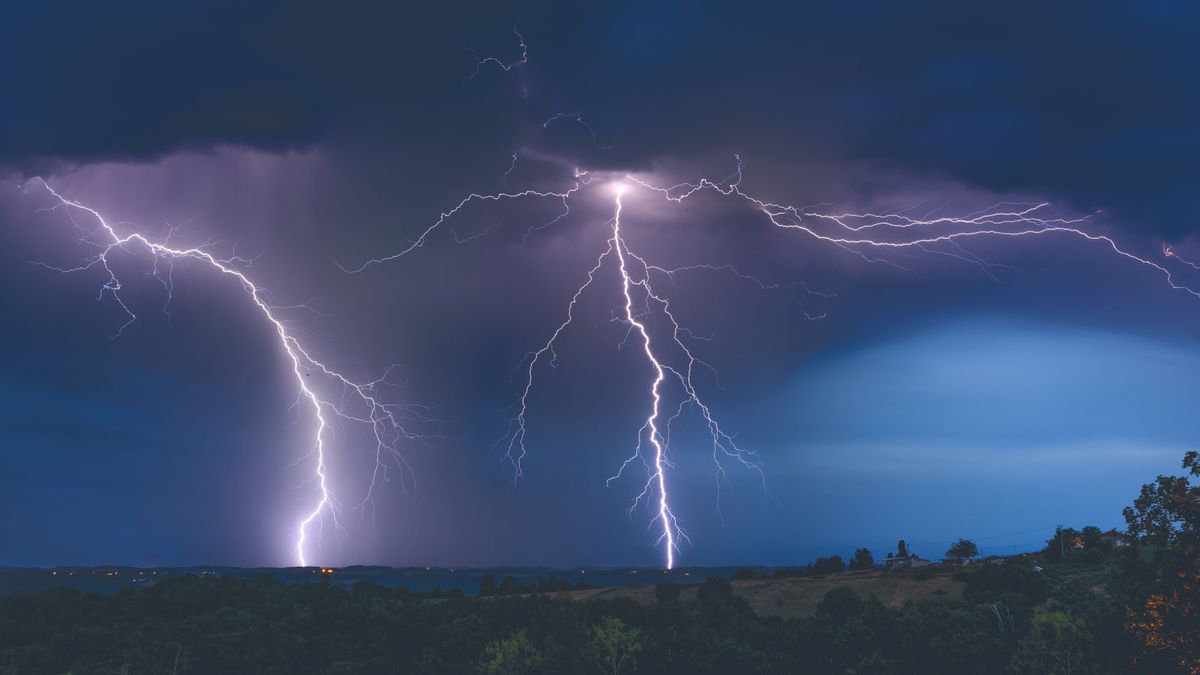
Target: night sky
920 394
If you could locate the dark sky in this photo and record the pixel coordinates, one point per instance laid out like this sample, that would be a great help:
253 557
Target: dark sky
933 399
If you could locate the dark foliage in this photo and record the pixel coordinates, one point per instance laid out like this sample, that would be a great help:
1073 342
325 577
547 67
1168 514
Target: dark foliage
963 549
831 565
667 591
747 573
1164 571
1132 611
862 560
213 625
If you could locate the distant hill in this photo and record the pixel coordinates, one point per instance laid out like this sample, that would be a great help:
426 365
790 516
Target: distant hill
113 578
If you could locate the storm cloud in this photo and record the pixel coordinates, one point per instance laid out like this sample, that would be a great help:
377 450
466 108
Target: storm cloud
311 135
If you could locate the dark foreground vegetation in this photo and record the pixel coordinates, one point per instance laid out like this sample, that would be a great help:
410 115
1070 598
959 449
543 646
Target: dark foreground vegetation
1080 607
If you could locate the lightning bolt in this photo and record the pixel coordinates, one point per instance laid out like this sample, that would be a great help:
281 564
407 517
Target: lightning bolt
669 523
355 402
990 223
668 348
506 66
577 118
870 236
1170 253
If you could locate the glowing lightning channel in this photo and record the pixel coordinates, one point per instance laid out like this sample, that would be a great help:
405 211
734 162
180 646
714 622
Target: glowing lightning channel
506 66
856 233
635 271
651 426
1025 224
357 403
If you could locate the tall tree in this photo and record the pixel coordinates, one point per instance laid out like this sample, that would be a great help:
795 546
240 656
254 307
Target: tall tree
963 549
615 646
1064 541
487 585
1093 539
1164 615
514 655
901 550
1057 644
862 560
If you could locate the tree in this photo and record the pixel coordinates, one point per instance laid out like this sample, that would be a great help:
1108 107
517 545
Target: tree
830 565
963 549
510 586
714 590
1093 539
862 560
667 591
747 573
615 646
1167 513
901 550
487 585
515 655
840 604
1058 643
1064 541
1163 612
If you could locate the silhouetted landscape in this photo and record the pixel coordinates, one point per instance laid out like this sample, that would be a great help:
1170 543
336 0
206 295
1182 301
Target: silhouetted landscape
1089 602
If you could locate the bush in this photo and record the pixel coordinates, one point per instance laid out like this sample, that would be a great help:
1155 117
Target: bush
667 591
747 573
487 585
991 583
714 590
840 604
830 565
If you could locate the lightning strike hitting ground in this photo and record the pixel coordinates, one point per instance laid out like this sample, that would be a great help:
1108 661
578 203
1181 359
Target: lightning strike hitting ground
357 403
869 236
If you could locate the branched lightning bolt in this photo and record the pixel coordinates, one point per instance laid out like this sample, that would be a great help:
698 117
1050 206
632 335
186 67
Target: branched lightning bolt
504 65
1021 224
577 118
870 236
641 301
666 345
514 439
420 241
359 403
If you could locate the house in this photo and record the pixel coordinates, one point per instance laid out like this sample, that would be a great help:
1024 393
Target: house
911 561
1115 539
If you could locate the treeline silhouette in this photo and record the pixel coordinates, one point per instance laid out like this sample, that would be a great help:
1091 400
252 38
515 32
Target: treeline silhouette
1080 607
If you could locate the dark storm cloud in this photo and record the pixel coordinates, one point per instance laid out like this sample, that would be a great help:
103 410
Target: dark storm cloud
309 132
1094 102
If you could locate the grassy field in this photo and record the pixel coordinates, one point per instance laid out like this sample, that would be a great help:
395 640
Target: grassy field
799 597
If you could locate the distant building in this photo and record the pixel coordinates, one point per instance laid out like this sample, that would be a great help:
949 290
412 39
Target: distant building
911 561
1115 539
